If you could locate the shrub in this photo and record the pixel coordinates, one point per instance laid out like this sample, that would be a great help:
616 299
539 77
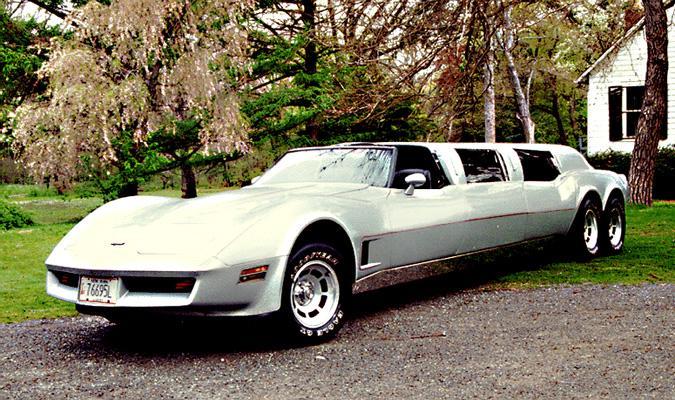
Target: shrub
12 216
11 172
664 173
86 189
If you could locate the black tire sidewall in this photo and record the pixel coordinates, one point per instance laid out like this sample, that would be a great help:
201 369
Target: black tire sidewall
613 204
578 232
336 261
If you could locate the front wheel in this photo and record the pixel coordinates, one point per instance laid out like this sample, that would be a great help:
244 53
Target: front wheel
614 225
585 233
315 292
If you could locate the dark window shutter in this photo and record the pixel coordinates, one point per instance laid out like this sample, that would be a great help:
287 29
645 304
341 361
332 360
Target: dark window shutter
615 123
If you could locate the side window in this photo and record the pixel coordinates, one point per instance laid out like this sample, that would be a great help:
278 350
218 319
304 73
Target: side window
538 165
412 159
481 165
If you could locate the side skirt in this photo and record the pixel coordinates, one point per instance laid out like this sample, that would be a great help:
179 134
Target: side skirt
415 271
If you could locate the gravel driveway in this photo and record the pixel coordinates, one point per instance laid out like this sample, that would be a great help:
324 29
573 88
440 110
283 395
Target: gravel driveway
416 340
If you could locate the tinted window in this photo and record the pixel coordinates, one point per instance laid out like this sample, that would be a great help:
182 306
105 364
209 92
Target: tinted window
481 165
418 159
538 165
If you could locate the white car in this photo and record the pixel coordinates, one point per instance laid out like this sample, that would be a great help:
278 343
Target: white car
296 241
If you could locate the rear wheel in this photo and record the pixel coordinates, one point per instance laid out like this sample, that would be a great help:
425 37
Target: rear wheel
585 233
614 226
315 292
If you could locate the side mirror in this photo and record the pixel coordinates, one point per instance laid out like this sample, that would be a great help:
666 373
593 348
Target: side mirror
255 179
414 181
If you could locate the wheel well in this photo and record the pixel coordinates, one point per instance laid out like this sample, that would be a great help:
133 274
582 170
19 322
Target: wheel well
328 232
594 196
616 193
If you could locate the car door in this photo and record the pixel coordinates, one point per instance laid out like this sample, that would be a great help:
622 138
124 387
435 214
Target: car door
418 225
421 225
439 222
494 209
549 197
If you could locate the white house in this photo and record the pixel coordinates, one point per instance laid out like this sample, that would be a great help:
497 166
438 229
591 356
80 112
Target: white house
616 87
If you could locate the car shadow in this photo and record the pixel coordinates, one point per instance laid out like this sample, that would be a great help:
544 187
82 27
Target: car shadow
482 271
246 335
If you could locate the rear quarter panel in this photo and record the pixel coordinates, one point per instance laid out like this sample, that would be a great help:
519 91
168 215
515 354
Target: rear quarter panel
600 182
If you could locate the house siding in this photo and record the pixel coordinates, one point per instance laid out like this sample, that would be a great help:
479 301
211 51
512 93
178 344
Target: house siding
626 67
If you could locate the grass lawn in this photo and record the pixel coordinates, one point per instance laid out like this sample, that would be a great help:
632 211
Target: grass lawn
649 255
22 273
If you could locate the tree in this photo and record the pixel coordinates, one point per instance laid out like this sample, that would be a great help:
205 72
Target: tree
489 95
522 98
650 122
489 82
134 72
342 69
22 51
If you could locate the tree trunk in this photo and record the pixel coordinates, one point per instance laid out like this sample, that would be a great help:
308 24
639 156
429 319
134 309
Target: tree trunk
311 57
641 173
573 114
128 189
52 9
489 93
188 182
523 108
555 106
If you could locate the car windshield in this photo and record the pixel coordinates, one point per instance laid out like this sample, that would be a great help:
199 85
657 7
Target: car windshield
346 165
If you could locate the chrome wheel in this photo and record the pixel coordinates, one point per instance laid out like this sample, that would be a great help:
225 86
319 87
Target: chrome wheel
591 230
615 228
588 230
315 294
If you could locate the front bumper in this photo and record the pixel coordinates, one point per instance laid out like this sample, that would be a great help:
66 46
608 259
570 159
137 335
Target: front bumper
217 290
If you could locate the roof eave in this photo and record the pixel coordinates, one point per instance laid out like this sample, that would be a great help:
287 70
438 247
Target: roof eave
631 32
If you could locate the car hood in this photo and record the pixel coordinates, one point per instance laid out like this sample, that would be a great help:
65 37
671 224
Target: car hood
158 226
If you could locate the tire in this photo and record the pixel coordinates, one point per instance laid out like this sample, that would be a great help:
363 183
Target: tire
613 226
585 235
315 292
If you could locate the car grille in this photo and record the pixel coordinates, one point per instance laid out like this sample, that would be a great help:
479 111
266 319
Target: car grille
159 285
137 284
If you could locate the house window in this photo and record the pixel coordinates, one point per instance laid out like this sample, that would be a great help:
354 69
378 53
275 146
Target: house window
625 103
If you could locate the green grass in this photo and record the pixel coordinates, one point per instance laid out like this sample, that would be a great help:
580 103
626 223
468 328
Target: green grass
649 256
26 192
56 211
24 251
177 192
22 274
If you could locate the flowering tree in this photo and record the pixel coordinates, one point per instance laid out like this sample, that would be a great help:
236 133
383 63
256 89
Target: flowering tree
132 77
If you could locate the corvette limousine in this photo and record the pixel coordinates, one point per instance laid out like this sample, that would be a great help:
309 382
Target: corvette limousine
295 241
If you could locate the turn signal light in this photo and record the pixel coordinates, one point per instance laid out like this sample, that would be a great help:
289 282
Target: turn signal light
185 286
251 274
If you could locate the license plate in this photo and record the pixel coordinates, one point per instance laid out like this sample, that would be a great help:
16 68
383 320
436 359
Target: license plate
99 290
